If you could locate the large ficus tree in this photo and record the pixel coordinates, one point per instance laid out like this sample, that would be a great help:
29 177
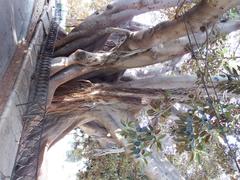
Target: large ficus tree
88 88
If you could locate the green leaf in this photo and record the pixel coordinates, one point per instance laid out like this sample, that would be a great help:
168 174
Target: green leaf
197 158
149 137
155 104
123 123
228 68
228 115
191 156
131 124
151 112
147 153
159 146
229 77
181 139
235 73
207 138
145 160
203 133
136 150
137 143
238 67
131 133
150 127
161 136
123 133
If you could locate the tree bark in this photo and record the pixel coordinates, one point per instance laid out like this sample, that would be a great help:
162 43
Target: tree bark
117 13
82 62
99 108
114 15
198 18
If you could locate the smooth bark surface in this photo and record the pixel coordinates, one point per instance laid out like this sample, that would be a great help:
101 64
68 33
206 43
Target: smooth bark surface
115 14
198 18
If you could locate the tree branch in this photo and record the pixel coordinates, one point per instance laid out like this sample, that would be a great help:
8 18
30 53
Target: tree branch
65 48
199 16
114 15
90 62
103 152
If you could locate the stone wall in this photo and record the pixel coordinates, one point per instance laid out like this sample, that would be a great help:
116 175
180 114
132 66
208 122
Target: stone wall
15 17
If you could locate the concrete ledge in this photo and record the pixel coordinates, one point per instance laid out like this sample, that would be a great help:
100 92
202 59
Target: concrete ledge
11 118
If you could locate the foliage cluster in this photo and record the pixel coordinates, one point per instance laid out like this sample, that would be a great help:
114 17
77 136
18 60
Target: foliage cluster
79 10
118 166
112 167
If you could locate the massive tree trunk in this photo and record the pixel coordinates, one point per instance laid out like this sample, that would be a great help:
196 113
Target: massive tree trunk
81 91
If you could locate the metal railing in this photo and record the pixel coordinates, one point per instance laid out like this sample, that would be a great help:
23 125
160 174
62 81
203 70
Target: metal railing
27 159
